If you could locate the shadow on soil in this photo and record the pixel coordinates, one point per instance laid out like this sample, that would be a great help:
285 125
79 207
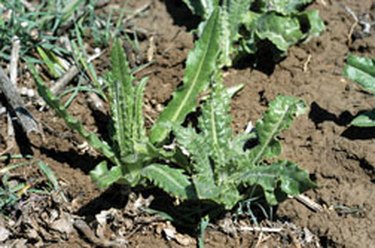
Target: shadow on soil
115 196
84 162
359 133
185 216
182 15
368 168
264 60
319 115
22 140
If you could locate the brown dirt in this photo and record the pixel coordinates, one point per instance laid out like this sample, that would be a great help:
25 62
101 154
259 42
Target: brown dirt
340 158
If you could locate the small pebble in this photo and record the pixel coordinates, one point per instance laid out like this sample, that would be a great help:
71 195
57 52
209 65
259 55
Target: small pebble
27 92
4 234
97 50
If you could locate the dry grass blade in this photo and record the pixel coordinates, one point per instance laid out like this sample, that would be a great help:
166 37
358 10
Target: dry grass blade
309 203
16 46
137 12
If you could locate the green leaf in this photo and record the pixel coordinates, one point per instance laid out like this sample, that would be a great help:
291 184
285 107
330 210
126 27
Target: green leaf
226 39
72 122
205 187
278 117
312 20
52 62
362 71
203 175
366 119
237 9
171 180
122 101
68 11
284 174
285 7
229 195
103 177
231 19
139 127
48 172
202 8
215 123
200 65
195 145
282 31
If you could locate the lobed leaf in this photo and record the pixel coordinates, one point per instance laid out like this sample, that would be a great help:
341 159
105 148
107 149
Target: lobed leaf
278 117
103 177
200 65
121 93
196 147
284 174
139 126
171 180
285 7
203 175
282 31
231 19
215 123
236 9
229 195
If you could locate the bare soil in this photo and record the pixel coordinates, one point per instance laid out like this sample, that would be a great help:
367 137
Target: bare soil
340 158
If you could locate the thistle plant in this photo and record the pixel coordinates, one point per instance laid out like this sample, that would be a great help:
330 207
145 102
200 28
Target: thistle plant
220 169
130 150
247 25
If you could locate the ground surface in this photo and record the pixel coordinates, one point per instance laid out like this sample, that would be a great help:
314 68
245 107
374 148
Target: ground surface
341 159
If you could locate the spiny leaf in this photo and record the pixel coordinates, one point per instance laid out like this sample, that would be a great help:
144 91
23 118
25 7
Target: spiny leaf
205 186
229 195
72 122
195 145
278 117
139 127
200 65
122 100
291 179
215 123
103 177
284 7
362 71
203 175
236 11
280 30
226 39
171 180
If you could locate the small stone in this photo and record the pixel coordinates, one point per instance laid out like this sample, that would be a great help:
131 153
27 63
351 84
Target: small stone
4 234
